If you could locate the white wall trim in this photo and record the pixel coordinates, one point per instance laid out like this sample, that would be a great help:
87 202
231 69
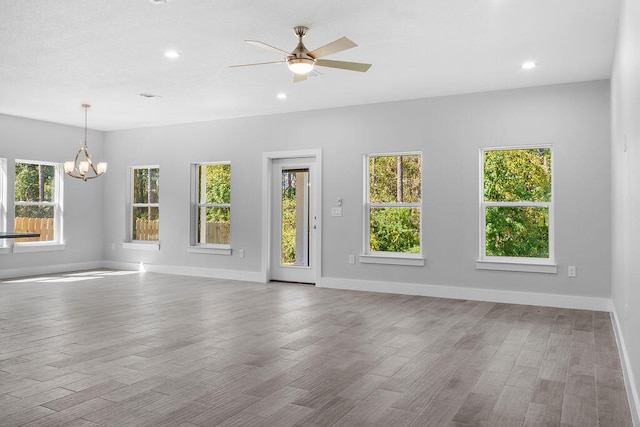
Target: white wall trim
21 248
526 267
208 250
247 276
629 379
50 269
455 292
177 270
392 259
151 246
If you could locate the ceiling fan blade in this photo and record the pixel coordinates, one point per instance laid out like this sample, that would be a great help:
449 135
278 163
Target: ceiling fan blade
299 77
333 47
268 47
351 66
258 63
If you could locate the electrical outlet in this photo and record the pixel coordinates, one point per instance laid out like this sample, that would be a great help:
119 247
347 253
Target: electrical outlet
571 271
113 246
352 259
241 252
336 211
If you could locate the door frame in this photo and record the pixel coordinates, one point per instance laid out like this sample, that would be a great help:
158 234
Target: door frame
267 166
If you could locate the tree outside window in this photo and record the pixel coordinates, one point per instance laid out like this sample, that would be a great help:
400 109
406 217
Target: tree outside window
516 204
213 204
393 203
37 207
146 203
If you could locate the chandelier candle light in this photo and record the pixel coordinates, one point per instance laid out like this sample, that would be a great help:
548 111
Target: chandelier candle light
82 167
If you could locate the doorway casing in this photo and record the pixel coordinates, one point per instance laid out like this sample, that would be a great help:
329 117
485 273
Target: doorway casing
316 249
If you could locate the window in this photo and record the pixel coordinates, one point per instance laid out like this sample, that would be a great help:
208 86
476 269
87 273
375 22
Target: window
211 201
3 200
145 206
393 201
38 207
516 205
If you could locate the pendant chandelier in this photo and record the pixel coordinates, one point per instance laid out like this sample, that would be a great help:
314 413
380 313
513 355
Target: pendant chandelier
82 166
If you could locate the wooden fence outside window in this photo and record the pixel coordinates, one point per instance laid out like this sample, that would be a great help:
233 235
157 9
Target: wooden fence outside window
43 226
217 232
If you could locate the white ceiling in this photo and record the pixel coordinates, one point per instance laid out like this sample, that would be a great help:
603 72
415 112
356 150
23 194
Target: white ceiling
56 55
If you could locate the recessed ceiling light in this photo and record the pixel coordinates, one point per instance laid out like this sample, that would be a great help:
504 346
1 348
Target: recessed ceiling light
149 95
172 54
528 65
281 96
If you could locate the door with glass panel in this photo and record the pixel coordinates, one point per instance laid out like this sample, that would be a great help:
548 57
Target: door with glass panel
293 220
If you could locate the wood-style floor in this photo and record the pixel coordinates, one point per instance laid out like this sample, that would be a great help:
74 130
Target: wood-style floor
127 349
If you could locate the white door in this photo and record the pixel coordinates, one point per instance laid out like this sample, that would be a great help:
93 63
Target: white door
293 220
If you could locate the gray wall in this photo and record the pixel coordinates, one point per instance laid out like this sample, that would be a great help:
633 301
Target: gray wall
625 191
83 209
449 131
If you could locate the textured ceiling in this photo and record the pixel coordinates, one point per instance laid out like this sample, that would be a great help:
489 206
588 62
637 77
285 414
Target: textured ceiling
56 55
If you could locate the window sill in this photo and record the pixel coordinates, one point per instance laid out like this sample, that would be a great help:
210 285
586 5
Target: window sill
393 259
151 246
19 248
210 250
523 266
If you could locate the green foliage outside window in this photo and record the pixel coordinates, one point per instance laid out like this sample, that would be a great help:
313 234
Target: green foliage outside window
289 214
214 198
34 183
394 230
35 198
218 191
288 229
522 175
395 180
146 191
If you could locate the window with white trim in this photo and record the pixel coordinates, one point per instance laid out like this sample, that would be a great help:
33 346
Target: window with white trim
393 204
38 201
3 200
516 205
211 205
145 203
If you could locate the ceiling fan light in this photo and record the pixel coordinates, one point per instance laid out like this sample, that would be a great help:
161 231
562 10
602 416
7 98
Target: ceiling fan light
300 65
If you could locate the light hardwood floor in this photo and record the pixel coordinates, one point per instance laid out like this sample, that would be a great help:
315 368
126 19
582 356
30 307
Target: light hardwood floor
127 349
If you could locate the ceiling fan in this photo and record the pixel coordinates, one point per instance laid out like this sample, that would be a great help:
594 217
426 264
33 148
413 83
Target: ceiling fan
301 61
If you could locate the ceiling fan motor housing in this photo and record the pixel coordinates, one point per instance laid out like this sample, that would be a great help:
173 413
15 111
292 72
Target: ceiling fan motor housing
300 31
300 62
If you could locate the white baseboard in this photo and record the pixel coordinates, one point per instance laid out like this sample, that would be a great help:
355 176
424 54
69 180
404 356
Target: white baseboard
455 292
512 297
247 276
629 379
49 269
